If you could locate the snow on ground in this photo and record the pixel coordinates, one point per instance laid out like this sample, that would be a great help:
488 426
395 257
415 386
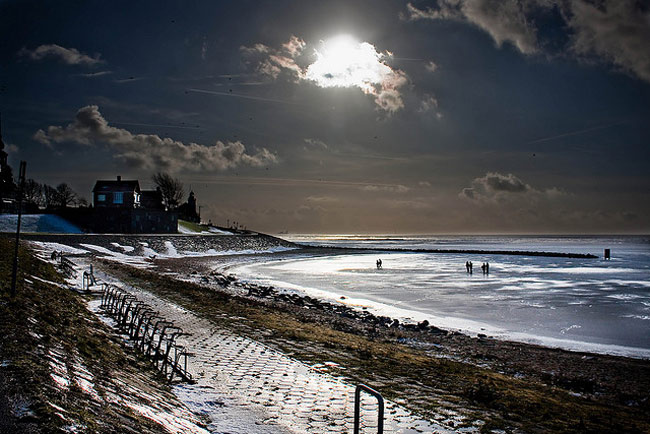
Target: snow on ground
214 230
46 223
46 248
142 255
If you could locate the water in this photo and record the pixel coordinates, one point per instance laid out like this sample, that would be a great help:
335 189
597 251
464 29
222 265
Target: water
581 304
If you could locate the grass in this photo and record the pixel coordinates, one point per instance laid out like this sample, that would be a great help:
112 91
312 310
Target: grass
44 319
423 382
194 227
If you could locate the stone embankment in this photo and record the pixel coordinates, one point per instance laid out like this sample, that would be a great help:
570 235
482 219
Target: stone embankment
136 244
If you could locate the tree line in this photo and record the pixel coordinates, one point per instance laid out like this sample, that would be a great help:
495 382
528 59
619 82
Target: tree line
38 195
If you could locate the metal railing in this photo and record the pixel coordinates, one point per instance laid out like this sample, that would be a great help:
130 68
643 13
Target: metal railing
357 408
67 266
151 334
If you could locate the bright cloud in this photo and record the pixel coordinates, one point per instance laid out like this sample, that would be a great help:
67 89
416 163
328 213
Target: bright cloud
149 151
397 188
71 56
339 62
344 62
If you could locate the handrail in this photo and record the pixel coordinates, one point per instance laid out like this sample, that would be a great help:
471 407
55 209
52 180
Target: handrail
357 407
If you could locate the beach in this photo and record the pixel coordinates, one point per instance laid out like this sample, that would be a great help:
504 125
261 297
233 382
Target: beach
441 367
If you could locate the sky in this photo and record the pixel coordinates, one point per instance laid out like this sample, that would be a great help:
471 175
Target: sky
438 117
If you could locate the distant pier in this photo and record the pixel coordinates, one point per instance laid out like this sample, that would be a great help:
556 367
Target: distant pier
460 251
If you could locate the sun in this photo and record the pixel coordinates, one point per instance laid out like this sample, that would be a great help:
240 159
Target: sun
340 51
343 61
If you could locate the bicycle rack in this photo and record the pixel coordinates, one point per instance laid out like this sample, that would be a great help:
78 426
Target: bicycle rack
151 334
357 407
67 266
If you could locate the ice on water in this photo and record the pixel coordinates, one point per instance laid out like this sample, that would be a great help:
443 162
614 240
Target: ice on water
582 304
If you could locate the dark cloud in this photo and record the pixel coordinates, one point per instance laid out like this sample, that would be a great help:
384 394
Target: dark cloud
504 20
149 151
616 31
495 186
316 143
70 56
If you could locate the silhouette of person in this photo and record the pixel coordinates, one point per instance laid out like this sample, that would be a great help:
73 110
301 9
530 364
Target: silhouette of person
487 268
471 266
379 263
483 267
467 266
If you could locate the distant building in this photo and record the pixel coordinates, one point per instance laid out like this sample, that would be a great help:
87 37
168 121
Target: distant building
116 194
187 211
121 207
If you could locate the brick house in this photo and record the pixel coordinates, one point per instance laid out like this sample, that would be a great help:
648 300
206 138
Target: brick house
116 194
121 207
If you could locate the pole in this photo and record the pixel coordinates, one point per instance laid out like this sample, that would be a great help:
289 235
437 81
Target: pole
21 184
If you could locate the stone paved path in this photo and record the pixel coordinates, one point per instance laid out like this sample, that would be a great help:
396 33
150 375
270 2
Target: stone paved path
245 387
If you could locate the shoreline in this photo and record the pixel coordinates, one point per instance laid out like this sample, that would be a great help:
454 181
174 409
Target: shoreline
418 364
509 385
230 258
469 327
358 309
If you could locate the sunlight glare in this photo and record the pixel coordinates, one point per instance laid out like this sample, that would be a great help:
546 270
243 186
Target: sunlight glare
345 62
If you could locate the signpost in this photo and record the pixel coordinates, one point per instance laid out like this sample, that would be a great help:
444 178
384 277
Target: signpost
21 185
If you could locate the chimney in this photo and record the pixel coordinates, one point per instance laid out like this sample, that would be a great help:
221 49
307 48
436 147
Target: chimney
119 178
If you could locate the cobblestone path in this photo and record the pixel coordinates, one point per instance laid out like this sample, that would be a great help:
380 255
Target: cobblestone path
245 387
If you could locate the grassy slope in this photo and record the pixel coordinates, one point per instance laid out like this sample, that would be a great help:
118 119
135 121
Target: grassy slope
423 382
195 227
44 319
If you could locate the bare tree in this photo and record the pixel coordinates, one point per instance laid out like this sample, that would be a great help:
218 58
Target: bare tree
172 189
33 193
66 195
51 196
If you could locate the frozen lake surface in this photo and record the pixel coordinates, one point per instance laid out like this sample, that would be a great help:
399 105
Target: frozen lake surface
581 304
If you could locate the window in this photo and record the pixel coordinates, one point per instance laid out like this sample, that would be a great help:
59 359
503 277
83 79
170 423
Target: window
118 197
101 198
